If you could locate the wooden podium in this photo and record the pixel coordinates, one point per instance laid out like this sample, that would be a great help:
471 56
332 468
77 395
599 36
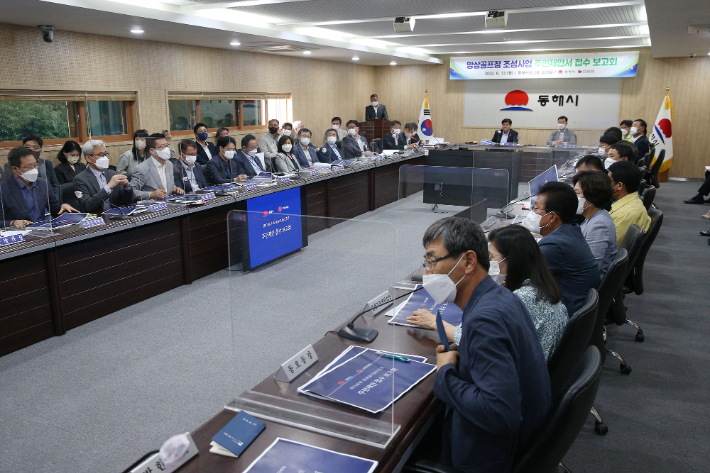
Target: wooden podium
372 129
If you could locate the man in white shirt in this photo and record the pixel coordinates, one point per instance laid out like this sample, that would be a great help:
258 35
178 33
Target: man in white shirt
269 143
375 110
505 134
153 178
188 174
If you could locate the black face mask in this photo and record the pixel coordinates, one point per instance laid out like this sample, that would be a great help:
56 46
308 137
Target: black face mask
273 129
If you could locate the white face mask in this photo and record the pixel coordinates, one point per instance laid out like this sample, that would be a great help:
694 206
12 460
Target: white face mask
408 135
31 175
252 152
102 163
287 132
440 286
494 272
532 221
633 130
352 131
374 104
332 140
397 131
305 141
190 160
608 162
580 205
287 148
140 144
561 126
229 154
73 159
163 154
335 127
602 151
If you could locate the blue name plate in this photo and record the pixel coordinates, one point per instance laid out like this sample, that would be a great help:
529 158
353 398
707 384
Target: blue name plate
250 187
314 172
381 158
208 196
159 206
337 168
9 240
284 179
92 222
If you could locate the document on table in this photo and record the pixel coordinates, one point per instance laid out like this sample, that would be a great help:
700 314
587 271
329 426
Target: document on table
450 312
288 456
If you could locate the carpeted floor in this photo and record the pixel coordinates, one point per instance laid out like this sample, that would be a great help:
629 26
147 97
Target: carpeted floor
107 392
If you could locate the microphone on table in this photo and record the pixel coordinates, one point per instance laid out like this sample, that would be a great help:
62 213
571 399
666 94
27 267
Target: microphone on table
121 216
221 192
366 335
503 213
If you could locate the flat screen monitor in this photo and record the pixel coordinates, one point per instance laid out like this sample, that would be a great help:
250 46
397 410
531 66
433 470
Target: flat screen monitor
549 175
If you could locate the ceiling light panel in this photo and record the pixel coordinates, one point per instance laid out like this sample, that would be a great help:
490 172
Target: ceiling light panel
553 45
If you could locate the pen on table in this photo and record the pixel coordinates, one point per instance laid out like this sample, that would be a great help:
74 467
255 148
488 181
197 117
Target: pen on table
394 357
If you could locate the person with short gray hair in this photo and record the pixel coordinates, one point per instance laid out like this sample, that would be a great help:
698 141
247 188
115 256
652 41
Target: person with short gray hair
495 383
89 146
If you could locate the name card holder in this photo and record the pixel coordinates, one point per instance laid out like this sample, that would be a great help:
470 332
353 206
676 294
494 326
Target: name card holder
208 196
381 157
284 179
154 463
297 364
9 240
92 222
314 172
158 206
337 167
250 187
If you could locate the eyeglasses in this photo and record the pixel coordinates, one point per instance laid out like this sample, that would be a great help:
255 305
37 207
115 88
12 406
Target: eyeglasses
99 155
430 263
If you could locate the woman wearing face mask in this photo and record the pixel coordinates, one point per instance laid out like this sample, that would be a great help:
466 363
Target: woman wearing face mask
69 165
128 161
284 160
594 193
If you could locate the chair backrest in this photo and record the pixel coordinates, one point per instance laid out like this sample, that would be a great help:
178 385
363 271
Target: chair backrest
567 419
642 184
68 196
647 197
635 278
574 341
651 154
632 242
656 168
612 283
376 145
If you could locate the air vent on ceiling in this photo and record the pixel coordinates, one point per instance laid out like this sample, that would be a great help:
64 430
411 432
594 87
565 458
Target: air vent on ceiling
273 47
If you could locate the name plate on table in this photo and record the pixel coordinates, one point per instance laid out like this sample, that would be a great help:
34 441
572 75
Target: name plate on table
9 240
381 157
92 222
208 196
284 179
314 172
337 167
250 187
155 463
298 363
158 206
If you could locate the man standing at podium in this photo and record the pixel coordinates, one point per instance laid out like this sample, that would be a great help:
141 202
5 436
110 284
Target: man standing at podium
375 110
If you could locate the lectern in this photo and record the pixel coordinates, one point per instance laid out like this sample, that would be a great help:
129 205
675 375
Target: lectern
372 129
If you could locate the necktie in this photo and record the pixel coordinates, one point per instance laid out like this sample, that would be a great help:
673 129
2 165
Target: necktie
102 183
442 333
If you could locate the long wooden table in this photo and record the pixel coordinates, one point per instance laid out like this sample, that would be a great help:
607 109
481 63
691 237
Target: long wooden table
53 284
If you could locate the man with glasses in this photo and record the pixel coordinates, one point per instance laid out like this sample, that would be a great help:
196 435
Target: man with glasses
248 163
495 383
562 245
44 166
188 174
25 196
153 178
97 187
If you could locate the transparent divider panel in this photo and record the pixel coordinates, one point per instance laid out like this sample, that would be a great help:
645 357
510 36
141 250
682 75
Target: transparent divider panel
299 286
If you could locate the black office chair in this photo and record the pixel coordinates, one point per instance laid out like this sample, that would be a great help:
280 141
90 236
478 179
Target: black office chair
376 145
112 167
641 160
648 195
574 341
68 196
651 154
656 168
550 447
642 184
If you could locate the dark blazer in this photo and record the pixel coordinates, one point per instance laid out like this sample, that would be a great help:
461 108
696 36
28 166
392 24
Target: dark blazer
66 174
13 203
202 156
388 141
413 139
642 145
350 147
327 155
498 397
180 177
301 156
45 172
572 263
93 196
512 136
244 166
381 112
218 172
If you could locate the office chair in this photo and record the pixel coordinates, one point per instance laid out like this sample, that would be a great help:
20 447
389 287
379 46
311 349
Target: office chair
111 167
68 196
376 145
574 341
551 445
642 184
656 168
648 195
651 154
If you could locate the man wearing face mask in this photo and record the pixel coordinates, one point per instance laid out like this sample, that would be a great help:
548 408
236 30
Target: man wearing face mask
627 209
98 187
305 153
336 124
562 135
269 143
26 196
188 174
134 156
638 137
395 139
605 142
45 168
223 168
563 246
354 145
410 132
330 152
620 151
375 110
496 387
153 178
287 130
248 163
625 127
205 149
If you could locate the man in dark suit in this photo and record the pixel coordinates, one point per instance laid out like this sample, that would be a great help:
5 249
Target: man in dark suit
248 163
205 149
505 134
98 187
638 137
305 153
187 172
330 152
375 110
46 169
223 168
410 132
24 196
354 145
396 139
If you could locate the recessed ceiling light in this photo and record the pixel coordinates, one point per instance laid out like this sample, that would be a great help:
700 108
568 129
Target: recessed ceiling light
235 43
137 31
393 63
355 58
306 52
